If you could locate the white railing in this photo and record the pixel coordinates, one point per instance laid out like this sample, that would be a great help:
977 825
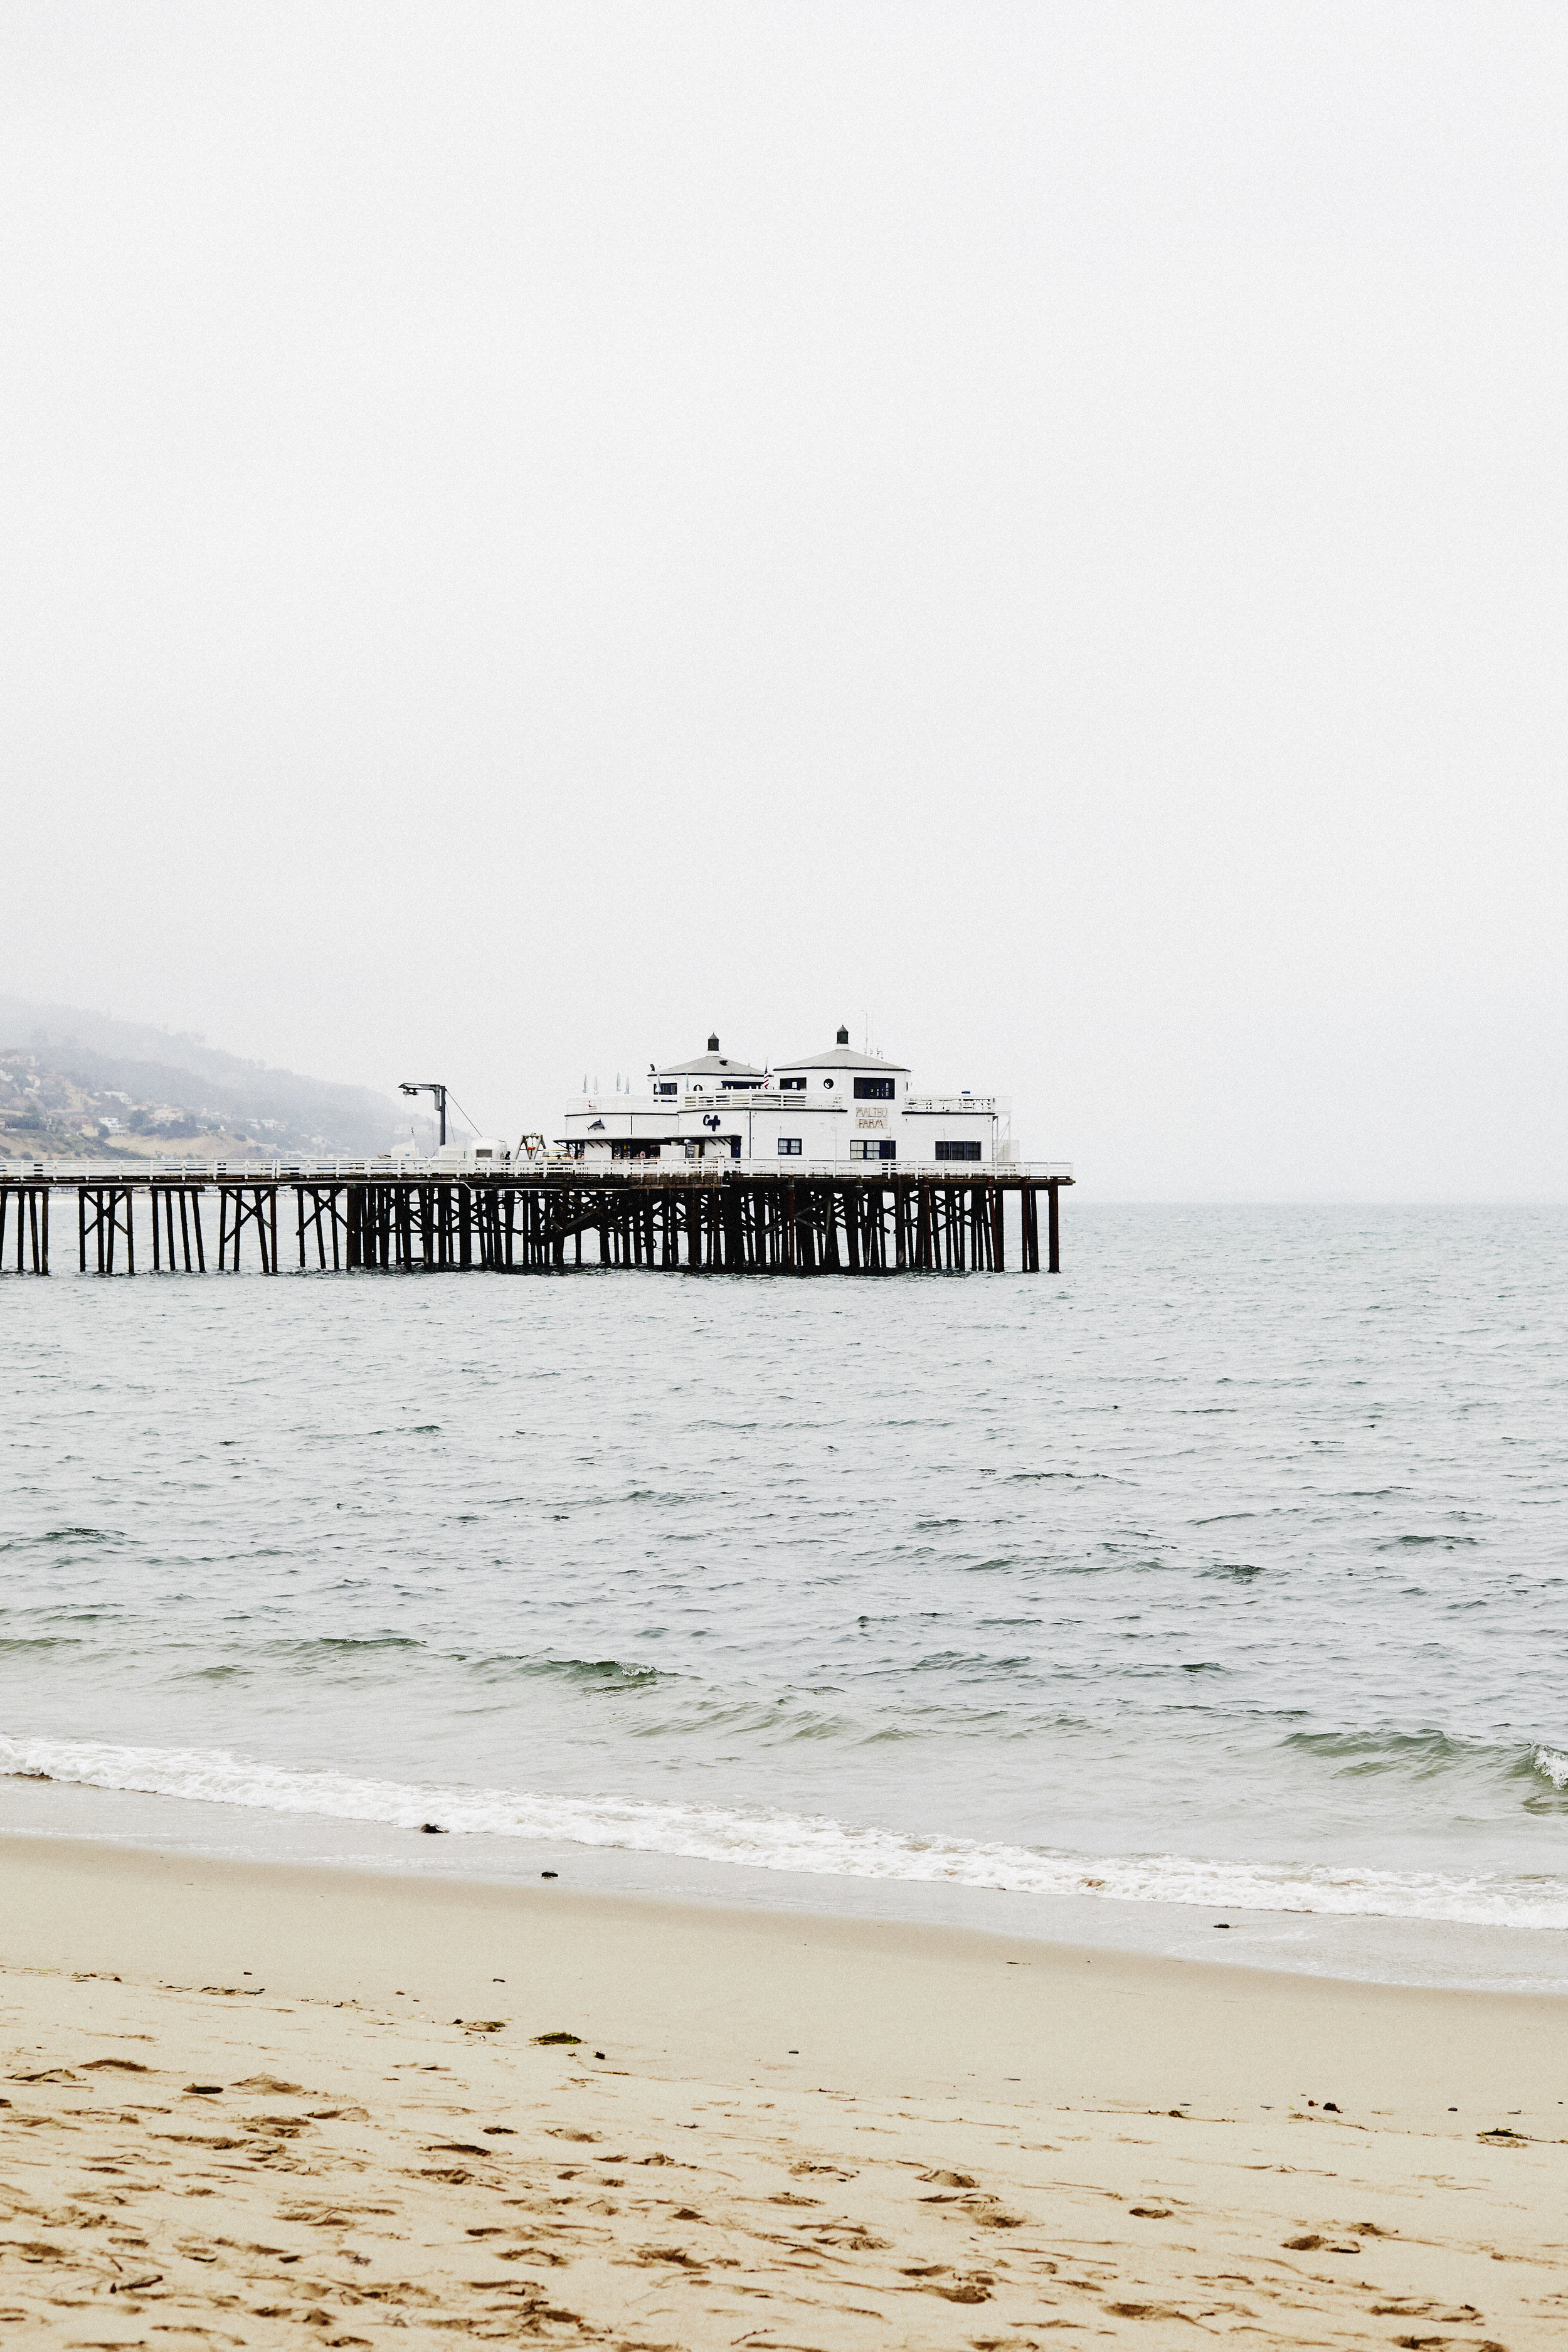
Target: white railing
689 1098
955 1106
770 1099
141 1171
521 1171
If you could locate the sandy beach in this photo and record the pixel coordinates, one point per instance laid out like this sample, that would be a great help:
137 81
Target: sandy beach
246 2105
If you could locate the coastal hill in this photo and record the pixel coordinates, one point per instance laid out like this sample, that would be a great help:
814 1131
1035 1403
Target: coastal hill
75 1084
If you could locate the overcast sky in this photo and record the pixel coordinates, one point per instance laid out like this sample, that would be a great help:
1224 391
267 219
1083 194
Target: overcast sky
530 531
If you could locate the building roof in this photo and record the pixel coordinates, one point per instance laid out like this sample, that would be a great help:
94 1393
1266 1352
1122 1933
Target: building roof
841 1057
711 1065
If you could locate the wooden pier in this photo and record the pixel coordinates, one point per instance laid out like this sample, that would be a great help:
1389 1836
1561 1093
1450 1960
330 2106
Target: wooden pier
550 1219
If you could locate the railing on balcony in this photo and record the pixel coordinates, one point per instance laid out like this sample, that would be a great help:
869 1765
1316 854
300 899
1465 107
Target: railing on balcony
955 1106
770 1099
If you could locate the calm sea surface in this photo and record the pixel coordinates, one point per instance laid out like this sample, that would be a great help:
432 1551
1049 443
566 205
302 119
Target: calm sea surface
1225 1577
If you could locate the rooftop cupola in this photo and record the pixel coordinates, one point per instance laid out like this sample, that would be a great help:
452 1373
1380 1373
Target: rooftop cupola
712 1045
844 1037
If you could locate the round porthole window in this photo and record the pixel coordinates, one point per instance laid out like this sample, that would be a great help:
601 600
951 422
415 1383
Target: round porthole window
827 1082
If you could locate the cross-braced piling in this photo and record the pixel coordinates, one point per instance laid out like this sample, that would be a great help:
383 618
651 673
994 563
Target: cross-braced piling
545 1220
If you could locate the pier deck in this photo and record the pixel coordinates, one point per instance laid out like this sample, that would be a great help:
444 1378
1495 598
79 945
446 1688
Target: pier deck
536 1218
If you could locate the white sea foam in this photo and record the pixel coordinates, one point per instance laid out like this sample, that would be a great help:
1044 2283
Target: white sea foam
803 1842
1554 1765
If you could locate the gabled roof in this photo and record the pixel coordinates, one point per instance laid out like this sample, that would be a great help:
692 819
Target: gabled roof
843 1057
709 1066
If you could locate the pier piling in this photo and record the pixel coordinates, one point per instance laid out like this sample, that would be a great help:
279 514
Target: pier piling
524 1220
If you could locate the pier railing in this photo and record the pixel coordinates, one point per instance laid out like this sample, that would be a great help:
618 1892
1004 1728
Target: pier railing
596 1170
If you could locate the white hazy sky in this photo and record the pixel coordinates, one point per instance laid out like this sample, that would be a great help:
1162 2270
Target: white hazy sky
533 531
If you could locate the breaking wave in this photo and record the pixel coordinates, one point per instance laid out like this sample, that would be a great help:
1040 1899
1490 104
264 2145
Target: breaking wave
803 1842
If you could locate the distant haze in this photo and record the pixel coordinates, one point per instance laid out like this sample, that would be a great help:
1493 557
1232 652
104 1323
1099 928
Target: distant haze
124 1066
1036 530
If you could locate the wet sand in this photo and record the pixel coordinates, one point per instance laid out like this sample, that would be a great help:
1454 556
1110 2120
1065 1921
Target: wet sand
273 2106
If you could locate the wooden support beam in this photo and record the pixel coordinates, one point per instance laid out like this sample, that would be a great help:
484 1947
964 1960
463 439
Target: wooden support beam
872 1222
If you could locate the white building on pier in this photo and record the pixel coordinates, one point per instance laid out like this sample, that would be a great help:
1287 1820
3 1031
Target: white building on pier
832 1109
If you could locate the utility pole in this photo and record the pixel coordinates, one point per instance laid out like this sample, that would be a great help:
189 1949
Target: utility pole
429 1087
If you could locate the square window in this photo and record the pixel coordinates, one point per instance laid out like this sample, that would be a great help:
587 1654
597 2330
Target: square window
789 1146
792 1086
962 1150
874 1089
870 1147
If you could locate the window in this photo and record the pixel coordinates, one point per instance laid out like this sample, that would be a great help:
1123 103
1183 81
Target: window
792 1086
665 1087
789 1146
964 1150
871 1146
874 1089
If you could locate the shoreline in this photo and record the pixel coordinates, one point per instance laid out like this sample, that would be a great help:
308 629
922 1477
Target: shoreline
263 2102
636 1962
1371 1947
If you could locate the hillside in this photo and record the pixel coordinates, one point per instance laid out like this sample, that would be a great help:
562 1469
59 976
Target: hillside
73 1082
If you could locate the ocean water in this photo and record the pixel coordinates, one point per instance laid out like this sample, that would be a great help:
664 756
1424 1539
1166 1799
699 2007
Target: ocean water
1225 1577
